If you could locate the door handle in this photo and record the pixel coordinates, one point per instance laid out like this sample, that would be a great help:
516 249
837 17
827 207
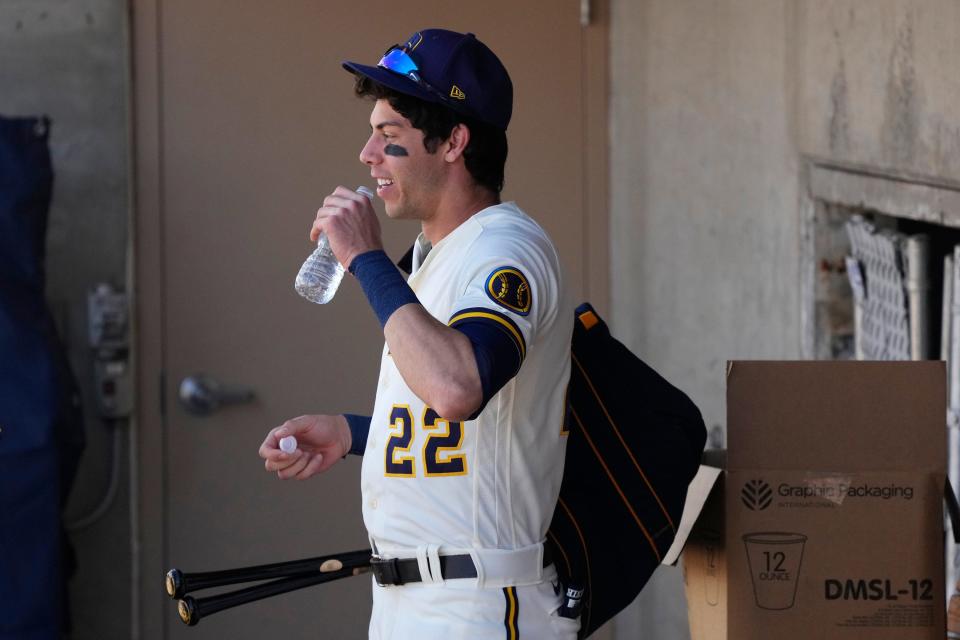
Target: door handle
201 395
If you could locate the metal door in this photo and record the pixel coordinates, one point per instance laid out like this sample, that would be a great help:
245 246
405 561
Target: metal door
246 120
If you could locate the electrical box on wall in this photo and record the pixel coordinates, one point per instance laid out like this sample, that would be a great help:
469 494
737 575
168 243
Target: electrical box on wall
108 328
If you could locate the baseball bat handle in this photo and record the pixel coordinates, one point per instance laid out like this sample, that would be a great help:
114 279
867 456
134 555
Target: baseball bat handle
192 610
178 584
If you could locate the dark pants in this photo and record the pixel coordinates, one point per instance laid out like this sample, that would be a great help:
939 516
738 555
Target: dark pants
31 578
41 427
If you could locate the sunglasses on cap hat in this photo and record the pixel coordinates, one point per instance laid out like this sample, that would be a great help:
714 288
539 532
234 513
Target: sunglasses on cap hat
445 67
397 60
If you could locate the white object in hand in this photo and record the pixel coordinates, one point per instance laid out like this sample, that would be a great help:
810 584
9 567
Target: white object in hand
321 273
288 444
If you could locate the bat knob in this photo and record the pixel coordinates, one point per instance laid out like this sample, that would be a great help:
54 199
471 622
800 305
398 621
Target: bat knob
187 608
174 583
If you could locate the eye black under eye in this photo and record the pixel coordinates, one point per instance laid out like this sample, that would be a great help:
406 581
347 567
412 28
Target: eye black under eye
395 150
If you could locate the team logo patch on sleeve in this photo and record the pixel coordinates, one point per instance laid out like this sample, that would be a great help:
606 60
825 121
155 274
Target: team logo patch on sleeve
508 287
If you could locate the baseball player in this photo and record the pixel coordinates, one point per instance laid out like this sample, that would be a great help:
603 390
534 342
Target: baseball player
463 455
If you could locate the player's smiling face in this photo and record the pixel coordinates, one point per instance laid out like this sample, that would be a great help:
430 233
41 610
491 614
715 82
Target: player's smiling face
408 177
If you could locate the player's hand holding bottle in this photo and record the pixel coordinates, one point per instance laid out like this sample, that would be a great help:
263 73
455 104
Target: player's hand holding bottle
321 441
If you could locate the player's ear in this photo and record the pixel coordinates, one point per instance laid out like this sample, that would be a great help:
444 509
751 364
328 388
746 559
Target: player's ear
456 143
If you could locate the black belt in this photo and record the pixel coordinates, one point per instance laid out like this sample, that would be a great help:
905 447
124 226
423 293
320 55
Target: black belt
396 571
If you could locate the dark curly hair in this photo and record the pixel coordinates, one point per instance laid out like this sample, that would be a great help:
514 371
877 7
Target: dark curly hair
486 153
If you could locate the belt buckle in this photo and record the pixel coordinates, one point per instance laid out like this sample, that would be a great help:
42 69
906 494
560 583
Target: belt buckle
385 571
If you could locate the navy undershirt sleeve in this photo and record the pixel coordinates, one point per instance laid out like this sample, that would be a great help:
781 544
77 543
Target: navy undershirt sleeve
359 429
497 355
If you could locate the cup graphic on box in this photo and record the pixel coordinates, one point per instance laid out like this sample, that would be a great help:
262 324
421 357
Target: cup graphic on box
774 558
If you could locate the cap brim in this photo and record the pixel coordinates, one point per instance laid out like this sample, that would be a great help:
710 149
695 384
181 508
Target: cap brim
392 80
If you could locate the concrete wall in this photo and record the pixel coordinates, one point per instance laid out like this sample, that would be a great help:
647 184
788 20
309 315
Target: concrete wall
69 60
717 111
879 85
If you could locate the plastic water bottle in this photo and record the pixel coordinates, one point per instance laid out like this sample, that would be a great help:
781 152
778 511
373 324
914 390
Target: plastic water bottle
321 273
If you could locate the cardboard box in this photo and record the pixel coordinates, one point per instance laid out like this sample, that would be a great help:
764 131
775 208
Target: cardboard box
827 522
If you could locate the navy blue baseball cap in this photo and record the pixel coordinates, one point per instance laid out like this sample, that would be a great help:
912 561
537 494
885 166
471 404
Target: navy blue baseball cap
448 68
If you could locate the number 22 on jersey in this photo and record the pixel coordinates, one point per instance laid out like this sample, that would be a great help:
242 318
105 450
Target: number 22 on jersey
439 454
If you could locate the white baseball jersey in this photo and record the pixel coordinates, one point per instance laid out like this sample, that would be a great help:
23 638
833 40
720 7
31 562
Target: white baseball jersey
490 483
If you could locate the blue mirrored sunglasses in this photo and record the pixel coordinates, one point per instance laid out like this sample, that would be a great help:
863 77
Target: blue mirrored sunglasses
397 60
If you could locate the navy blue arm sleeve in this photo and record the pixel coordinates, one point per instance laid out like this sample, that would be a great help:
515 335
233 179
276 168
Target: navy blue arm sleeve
382 283
497 353
359 429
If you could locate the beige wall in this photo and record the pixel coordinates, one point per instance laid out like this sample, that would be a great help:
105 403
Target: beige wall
718 110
